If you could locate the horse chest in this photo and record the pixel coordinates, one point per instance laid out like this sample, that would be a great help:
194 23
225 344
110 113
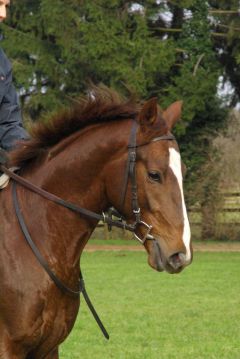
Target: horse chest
59 316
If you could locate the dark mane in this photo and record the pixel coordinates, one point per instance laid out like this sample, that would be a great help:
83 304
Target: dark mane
100 105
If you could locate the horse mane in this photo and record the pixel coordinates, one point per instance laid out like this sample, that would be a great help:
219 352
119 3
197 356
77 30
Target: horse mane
101 104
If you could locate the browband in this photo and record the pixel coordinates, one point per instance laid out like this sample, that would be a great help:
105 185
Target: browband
169 137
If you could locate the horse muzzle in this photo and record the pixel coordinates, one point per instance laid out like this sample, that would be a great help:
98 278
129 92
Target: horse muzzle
172 264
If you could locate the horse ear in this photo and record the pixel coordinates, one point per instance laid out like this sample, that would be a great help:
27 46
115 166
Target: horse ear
149 113
173 114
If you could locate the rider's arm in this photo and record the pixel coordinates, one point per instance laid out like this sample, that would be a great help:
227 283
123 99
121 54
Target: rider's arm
11 129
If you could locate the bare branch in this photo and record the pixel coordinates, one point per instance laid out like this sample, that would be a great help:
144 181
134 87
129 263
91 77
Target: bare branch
219 34
165 29
223 12
229 27
197 64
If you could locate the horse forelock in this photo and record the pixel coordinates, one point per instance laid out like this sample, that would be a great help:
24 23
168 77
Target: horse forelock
101 104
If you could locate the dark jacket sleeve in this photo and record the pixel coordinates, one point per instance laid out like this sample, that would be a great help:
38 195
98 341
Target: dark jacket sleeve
11 129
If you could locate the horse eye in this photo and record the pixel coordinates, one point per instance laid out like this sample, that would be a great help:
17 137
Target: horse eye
155 176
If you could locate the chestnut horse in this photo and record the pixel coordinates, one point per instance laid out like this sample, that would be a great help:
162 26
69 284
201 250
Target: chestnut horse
80 155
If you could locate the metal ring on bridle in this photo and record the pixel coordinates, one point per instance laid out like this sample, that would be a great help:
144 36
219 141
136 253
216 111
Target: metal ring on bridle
147 235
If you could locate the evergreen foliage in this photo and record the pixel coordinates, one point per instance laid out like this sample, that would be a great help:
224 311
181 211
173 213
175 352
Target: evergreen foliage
174 49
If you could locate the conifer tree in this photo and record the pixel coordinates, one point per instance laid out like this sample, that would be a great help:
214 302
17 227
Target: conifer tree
58 46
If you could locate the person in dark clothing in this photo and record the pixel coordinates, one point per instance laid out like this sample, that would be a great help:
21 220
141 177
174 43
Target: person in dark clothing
11 128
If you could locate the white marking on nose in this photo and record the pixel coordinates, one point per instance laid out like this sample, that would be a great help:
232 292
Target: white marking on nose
175 164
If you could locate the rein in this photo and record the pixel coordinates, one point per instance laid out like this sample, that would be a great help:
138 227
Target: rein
73 207
44 264
130 173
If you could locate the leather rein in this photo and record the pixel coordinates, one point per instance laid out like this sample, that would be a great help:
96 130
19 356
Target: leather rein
130 173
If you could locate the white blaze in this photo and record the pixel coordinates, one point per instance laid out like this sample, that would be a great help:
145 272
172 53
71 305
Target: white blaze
175 165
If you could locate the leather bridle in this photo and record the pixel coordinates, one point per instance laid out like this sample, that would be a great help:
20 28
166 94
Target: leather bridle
130 174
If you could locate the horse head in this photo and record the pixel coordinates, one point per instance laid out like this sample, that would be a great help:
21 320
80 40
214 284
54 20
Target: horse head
159 187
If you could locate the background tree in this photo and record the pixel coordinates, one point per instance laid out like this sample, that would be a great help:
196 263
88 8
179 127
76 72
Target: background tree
226 24
172 49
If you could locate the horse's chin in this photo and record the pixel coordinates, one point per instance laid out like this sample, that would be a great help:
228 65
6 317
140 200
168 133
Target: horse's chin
157 261
155 264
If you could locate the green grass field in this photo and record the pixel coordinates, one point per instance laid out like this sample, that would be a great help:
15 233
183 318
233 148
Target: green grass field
151 315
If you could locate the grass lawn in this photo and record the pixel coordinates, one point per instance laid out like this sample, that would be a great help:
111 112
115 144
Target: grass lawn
151 315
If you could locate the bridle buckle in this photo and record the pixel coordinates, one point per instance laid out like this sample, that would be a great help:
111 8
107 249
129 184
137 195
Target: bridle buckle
137 213
131 173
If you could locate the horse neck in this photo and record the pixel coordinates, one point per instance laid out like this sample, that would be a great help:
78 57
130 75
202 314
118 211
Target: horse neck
75 173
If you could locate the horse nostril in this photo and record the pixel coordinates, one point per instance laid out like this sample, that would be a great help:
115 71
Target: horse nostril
177 260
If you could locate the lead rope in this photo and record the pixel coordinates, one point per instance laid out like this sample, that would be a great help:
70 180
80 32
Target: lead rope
44 264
